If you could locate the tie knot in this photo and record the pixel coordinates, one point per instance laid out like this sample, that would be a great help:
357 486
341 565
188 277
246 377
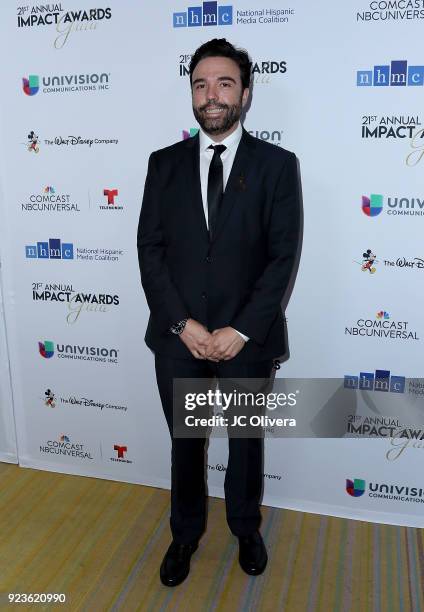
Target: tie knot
217 149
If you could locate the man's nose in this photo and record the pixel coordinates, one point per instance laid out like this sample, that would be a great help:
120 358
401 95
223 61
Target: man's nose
212 92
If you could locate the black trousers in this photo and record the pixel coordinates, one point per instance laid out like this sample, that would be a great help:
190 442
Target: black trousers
244 475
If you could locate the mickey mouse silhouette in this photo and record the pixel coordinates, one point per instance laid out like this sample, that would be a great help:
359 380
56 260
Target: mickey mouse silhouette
368 260
49 398
33 142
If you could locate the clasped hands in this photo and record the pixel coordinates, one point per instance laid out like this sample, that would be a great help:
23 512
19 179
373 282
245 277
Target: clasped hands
220 345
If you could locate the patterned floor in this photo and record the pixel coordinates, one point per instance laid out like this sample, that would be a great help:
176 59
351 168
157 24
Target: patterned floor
101 543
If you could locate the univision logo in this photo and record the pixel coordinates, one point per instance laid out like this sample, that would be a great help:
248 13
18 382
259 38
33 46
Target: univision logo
65 83
76 351
376 490
373 205
355 487
190 133
31 85
46 349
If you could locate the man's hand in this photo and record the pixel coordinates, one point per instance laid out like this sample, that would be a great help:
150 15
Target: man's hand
196 338
224 344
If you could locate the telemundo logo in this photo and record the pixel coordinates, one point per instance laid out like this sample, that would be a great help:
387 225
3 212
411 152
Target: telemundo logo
395 74
209 14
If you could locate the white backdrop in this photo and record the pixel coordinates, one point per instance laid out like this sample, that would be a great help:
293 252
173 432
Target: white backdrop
8 450
122 93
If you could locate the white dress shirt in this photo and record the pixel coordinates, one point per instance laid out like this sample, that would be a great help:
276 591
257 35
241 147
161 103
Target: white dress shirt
227 157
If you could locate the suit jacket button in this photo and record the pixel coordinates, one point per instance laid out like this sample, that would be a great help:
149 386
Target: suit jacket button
208 259
204 296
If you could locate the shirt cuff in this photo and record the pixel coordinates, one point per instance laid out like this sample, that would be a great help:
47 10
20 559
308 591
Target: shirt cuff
245 338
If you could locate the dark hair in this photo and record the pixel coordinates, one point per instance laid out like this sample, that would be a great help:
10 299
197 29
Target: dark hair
220 47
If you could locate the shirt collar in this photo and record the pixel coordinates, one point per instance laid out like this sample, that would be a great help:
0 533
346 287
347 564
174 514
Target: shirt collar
231 141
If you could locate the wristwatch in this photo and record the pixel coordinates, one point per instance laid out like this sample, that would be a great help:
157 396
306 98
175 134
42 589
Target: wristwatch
178 328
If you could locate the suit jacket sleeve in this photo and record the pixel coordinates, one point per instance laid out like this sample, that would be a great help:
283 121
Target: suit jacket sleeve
263 304
165 303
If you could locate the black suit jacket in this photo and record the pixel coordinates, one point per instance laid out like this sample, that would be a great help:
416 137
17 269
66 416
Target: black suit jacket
240 277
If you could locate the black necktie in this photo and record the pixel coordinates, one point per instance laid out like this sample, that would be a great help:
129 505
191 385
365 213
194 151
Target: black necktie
215 186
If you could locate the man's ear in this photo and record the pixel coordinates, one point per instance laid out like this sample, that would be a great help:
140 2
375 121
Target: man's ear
245 96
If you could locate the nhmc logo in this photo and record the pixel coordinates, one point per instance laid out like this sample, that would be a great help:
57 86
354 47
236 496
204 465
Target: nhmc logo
397 74
209 14
380 381
53 249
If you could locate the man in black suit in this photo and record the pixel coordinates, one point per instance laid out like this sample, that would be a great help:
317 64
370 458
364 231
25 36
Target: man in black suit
217 241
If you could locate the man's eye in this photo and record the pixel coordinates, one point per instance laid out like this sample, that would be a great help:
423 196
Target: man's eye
225 84
200 86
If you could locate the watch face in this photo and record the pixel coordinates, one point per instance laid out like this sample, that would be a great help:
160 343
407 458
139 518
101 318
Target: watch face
178 328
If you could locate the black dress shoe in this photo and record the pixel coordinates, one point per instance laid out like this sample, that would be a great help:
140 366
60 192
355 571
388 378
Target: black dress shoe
176 563
252 554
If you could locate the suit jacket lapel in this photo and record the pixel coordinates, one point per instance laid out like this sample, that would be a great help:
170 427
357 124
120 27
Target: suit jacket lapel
236 184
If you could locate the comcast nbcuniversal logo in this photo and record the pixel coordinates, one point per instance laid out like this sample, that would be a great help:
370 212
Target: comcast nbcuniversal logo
67 83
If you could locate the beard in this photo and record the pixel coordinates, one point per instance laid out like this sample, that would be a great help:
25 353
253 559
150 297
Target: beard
218 125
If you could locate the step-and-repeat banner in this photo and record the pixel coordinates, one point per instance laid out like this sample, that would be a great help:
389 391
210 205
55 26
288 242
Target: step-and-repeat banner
87 93
8 450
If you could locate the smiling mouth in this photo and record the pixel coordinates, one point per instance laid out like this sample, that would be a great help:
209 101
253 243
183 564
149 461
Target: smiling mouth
213 111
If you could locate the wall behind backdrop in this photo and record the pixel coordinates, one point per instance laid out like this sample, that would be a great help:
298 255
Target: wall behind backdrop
86 95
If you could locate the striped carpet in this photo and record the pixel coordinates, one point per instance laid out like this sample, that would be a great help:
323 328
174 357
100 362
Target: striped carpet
101 543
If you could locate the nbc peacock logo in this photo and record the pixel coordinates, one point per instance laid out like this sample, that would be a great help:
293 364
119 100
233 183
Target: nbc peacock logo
355 487
382 315
31 85
46 349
